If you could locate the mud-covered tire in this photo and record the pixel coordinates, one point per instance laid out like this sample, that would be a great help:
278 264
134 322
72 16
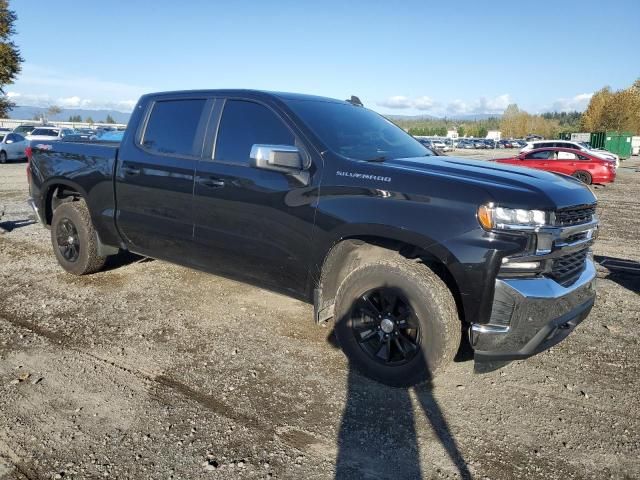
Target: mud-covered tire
433 308
72 219
584 177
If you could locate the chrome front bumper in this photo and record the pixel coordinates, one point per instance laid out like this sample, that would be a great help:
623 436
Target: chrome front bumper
531 315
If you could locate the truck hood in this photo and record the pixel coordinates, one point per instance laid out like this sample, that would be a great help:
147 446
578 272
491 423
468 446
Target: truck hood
519 187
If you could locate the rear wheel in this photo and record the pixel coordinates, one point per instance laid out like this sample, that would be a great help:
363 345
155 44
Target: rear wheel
3 157
397 322
584 177
75 241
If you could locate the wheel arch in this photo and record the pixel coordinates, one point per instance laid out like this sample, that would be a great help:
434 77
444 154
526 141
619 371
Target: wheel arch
349 252
57 191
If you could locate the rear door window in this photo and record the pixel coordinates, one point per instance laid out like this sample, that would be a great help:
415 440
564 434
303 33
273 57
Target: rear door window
173 127
544 155
245 124
566 156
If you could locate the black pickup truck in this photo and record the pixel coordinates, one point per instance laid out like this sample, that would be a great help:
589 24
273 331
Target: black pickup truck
332 203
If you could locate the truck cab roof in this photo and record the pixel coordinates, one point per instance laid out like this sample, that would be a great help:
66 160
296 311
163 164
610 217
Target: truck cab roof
245 93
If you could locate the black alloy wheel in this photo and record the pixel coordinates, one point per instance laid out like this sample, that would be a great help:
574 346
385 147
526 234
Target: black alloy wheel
385 326
68 240
584 177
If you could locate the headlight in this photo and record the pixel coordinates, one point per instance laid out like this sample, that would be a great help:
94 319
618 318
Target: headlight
501 218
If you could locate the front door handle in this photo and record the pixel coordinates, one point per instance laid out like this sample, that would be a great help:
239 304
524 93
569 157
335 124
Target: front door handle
130 171
211 182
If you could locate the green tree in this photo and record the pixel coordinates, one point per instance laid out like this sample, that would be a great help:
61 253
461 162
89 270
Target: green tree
75 119
614 110
109 119
53 110
10 59
89 120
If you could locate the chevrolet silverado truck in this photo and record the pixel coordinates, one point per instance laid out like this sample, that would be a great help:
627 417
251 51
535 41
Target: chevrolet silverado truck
330 202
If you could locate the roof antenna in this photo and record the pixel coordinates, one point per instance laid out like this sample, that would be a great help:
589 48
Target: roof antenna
355 101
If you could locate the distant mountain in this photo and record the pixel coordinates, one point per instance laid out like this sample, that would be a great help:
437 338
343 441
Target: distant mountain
27 113
475 116
467 117
412 117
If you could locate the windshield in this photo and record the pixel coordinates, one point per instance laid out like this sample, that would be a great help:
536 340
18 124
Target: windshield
356 132
48 132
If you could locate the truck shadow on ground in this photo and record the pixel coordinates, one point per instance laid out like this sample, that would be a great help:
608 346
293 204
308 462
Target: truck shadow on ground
124 258
10 225
378 436
625 273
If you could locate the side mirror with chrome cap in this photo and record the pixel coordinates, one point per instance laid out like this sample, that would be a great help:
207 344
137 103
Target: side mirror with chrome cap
281 158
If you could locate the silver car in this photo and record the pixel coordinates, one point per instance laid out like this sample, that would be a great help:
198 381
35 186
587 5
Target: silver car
12 147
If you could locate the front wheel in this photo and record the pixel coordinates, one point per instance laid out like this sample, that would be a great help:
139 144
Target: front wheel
584 177
397 322
75 241
3 157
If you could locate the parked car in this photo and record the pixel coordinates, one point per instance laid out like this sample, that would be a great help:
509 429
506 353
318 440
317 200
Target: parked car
109 136
12 147
48 133
77 137
5 130
584 166
504 144
25 128
440 145
572 145
86 131
465 144
328 201
479 144
490 143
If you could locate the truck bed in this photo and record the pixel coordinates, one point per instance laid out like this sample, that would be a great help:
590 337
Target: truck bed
85 167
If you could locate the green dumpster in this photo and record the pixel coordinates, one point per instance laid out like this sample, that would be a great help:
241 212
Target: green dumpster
597 139
618 143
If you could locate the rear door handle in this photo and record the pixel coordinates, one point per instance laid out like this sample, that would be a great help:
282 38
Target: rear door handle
130 171
211 182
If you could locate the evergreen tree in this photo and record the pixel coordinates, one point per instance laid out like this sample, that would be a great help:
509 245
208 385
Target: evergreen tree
10 58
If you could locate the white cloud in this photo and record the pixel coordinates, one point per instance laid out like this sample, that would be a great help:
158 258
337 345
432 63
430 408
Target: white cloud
34 100
424 103
483 105
43 86
401 102
491 105
397 101
576 103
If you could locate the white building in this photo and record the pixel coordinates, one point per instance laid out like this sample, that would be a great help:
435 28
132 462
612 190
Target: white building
494 135
453 134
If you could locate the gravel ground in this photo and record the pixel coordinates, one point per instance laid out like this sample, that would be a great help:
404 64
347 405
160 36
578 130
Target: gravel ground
151 370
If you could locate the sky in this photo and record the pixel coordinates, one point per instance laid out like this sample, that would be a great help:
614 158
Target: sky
400 57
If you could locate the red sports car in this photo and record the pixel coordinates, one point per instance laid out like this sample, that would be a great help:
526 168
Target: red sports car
585 167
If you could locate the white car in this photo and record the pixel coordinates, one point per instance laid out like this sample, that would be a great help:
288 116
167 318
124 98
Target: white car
49 133
573 145
12 146
440 145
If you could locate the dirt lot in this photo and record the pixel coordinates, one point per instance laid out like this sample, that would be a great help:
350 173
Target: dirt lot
150 370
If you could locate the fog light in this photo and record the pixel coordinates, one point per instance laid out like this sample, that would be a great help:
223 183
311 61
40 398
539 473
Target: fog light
509 265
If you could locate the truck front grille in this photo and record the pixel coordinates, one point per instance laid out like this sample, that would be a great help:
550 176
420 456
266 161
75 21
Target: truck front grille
566 268
575 215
